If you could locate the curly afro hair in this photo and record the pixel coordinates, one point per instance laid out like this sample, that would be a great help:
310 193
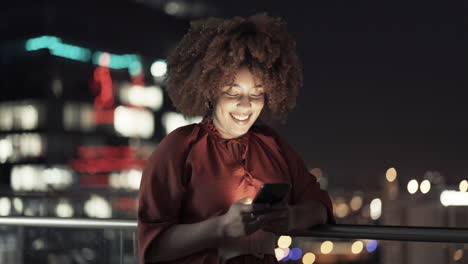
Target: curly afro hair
209 55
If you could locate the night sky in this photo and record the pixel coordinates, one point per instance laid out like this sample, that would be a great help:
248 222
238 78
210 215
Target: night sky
385 83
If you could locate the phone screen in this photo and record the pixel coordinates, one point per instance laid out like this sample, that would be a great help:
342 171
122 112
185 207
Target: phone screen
272 193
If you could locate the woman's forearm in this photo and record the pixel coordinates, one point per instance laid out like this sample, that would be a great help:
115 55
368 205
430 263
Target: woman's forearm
185 239
308 214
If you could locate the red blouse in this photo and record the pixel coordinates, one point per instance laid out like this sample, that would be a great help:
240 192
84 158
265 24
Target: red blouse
194 174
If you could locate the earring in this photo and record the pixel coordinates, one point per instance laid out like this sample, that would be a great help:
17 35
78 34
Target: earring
209 105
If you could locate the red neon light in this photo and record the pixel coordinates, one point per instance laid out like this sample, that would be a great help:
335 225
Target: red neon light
92 152
93 166
104 116
139 79
100 159
126 204
103 85
101 180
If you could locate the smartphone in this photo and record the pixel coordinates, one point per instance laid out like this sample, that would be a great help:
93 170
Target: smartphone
272 193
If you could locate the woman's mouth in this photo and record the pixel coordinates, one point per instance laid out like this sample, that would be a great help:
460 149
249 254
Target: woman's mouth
241 119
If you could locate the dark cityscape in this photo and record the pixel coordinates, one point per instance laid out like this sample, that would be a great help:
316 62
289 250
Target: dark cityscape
380 122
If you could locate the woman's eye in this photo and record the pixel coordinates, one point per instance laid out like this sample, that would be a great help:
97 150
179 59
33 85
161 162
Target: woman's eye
258 95
231 94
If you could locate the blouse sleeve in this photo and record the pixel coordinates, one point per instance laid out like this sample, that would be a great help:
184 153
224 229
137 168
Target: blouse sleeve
162 190
304 184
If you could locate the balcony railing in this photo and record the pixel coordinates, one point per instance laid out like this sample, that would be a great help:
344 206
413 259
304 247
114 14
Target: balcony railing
400 233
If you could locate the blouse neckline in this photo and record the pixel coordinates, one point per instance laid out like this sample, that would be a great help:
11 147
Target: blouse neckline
207 123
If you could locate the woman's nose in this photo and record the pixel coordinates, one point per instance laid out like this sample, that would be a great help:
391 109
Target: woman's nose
244 101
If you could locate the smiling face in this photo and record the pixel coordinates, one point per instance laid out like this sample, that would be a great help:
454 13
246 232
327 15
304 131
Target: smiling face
238 105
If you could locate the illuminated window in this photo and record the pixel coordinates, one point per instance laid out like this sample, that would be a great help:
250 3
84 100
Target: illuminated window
173 120
39 178
150 96
133 122
98 207
454 198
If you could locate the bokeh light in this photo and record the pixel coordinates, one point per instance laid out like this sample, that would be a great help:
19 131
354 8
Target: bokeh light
279 253
6 150
284 241
371 245
18 205
128 179
308 258
357 247
98 207
134 122
341 209
454 198
412 186
425 186
158 68
458 255
463 186
326 247
5 206
286 254
64 209
174 120
295 254
376 209
391 174
356 203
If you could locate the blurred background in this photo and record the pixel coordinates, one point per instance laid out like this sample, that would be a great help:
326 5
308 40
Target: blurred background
381 119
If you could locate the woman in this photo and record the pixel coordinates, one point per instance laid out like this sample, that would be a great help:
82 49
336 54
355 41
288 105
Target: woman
196 191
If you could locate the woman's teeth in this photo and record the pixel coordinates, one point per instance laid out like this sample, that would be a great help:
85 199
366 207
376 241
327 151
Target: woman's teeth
239 117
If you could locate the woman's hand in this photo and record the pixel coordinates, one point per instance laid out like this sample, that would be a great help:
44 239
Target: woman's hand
283 217
279 218
241 219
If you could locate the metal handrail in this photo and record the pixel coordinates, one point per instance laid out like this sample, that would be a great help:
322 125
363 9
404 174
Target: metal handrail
69 222
401 233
